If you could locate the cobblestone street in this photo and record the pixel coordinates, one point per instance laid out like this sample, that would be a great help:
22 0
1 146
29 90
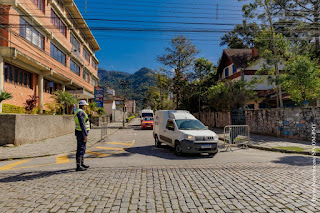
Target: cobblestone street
148 179
198 188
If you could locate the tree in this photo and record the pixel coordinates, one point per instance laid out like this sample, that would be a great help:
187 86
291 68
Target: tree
266 11
202 68
229 95
274 53
180 56
241 36
153 98
301 20
93 107
302 80
4 96
164 84
65 99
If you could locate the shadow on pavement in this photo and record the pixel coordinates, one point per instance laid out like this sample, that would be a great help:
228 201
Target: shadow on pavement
165 152
26 176
297 161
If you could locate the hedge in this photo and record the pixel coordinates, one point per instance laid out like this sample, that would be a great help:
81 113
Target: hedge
8 108
130 118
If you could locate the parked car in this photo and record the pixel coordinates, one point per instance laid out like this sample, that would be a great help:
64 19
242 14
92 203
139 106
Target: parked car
147 123
182 131
146 113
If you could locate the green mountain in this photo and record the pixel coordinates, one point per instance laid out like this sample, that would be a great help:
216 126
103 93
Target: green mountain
140 82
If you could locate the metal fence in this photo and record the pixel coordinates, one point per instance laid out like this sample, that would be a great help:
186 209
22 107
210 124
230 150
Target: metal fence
104 129
236 135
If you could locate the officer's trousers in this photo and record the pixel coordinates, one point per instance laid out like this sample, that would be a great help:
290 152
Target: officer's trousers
81 145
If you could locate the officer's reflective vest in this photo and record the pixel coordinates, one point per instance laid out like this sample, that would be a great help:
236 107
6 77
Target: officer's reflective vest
86 120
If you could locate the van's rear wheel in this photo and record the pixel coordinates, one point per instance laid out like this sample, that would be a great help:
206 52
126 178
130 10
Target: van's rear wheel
157 142
178 149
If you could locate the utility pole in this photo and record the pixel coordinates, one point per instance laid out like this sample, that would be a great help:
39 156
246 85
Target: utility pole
124 84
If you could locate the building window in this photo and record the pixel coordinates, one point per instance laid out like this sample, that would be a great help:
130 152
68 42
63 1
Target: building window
56 21
57 54
86 76
17 76
94 81
50 86
75 45
74 67
94 64
31 34
234 69
86 55
227 72
40 4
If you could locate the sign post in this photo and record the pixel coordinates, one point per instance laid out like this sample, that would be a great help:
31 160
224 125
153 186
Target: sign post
99 96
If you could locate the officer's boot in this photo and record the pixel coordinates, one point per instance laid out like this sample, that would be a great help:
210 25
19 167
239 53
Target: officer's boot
79 168
82 165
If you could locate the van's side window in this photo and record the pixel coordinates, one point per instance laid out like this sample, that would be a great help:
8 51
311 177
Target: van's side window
170 125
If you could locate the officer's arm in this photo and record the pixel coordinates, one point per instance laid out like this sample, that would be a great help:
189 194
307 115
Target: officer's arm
80 116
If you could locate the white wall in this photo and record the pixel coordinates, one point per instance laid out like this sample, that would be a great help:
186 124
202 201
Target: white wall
230 71
259 63
261 86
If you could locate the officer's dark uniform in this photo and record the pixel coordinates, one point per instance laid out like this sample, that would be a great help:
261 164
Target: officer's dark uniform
81 132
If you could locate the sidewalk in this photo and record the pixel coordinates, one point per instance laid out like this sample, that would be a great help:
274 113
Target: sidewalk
271 143
53 146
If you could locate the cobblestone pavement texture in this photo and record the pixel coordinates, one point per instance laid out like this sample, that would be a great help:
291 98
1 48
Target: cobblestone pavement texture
265 141
52 146
198 188
144 178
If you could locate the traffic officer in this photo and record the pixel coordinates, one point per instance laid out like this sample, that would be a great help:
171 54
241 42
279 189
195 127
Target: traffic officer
82 131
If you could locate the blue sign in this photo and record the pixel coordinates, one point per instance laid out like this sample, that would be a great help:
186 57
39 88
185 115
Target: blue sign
99 96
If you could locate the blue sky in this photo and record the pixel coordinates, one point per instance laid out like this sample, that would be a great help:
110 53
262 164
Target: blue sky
132 34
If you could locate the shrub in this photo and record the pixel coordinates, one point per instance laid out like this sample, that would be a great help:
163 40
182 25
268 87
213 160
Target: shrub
130 118
101 111
53 108
31 103
8 108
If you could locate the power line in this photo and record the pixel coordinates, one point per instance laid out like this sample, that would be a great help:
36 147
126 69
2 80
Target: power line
172 3
161 6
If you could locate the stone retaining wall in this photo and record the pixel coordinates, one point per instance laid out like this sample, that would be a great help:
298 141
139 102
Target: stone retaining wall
20 129
294 123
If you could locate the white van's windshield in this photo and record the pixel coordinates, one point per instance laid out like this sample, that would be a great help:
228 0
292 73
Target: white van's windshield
147 115
190 125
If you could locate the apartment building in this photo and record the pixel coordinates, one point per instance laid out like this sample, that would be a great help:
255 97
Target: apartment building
46 46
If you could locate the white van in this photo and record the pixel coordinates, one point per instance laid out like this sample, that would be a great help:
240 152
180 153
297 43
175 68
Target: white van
146 113
182 131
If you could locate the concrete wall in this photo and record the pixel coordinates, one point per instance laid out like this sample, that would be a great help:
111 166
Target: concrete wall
290 123
118 114
22 129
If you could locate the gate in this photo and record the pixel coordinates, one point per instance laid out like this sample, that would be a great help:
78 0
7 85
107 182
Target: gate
238 117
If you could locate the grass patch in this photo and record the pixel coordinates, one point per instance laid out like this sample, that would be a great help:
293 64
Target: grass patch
290 148
317 149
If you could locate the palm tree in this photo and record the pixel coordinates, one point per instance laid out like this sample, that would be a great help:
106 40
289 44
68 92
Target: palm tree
64 98
4 96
